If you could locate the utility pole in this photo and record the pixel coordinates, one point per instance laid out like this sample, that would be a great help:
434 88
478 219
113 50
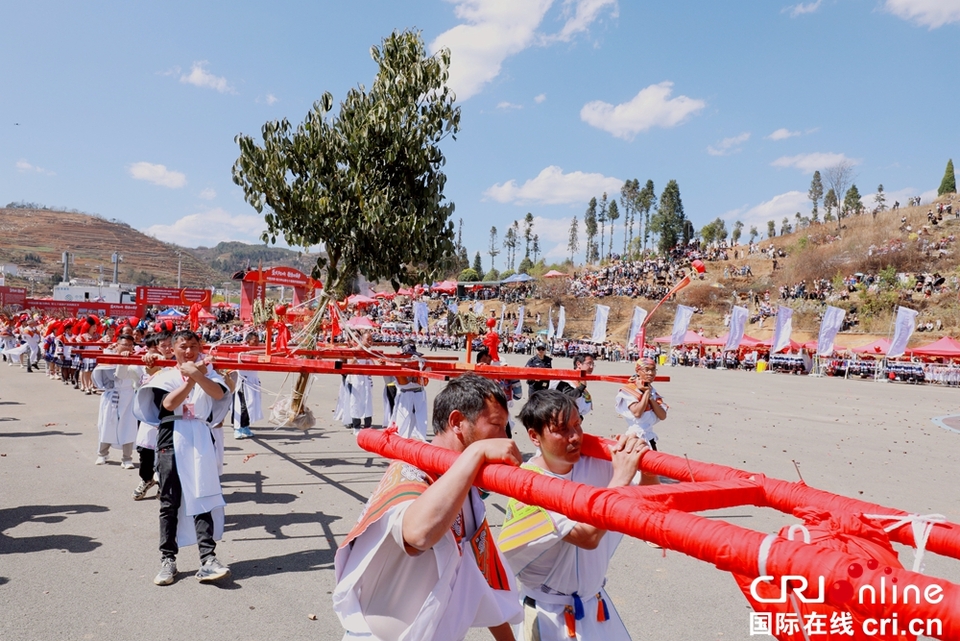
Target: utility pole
179 267
116 259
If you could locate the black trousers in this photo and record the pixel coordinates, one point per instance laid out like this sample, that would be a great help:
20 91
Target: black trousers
244 414
147 457
171 494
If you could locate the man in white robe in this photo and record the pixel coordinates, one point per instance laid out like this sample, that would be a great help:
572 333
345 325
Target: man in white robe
562 564
117 425
247 407
410 411
421 563
185 402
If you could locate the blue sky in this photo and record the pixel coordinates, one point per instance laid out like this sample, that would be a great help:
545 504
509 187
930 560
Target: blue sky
129 110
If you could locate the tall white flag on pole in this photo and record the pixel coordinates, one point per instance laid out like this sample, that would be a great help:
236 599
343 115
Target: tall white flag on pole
519 329
829 327
639 315
738 324
503 312
600 324
680 323
550 328
420 316
782 329
561 321
906 323
478 307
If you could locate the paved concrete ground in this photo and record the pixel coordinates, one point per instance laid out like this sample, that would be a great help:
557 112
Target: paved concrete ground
77 555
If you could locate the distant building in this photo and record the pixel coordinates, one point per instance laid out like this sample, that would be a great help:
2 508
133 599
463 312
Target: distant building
9 269
92 293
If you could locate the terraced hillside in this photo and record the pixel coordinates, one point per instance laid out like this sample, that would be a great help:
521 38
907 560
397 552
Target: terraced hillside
36 239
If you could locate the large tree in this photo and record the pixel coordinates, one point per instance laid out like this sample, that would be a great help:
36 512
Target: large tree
602 219
527 232
510 244
613 214
949 183
646 200
629 194
573 238
838 177
366 182
590 226
493 250
815 193
669 221
830 203
737 232
851 201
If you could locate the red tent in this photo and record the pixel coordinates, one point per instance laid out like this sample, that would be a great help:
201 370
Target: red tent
690 338
878 347
720 341
360 300
555 274
792 345
360 322
404 291
446 287
946 347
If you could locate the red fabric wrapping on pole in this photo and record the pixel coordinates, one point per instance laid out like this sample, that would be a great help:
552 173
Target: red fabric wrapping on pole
731 548
784 495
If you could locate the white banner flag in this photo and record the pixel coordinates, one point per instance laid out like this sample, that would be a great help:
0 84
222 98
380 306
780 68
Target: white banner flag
906 323
829 327
519 329
561 321
680 323
783 329
600 324
639 315
420 316
503 313
452 308
550 328
478 308
738 323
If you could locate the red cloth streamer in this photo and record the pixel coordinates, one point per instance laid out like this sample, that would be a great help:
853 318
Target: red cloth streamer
729 547
194 316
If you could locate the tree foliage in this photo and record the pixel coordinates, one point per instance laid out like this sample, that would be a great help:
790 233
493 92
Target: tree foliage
646 200
367 182
613 214
949 183
771 228
669 222
852 204
815 193
573 238
590 226
477 264
838 177
737 232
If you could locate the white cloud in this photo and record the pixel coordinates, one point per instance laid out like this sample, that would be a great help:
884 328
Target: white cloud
508 106
157 174
729 146
494 30
207 228
809 163
540 98
652 107
208 193
581 14
23 165
929 13
900 195
271 99
801 9
782 134
200 77
553 187
776 208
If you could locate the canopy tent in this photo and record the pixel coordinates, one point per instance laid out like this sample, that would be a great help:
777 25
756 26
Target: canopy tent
555 274
876 348
720 341
386 295
446 287
360 322
946 347
171 313
792 345
205 316
690 338
404 291
360 300
517 278
222 305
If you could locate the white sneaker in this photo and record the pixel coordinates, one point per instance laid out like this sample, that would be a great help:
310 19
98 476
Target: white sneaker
127 465
101 460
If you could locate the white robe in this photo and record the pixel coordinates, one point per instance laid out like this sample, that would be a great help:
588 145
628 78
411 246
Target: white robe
117 424
410 412
194 448
547 561
361 394
641 427
385 594
249 383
